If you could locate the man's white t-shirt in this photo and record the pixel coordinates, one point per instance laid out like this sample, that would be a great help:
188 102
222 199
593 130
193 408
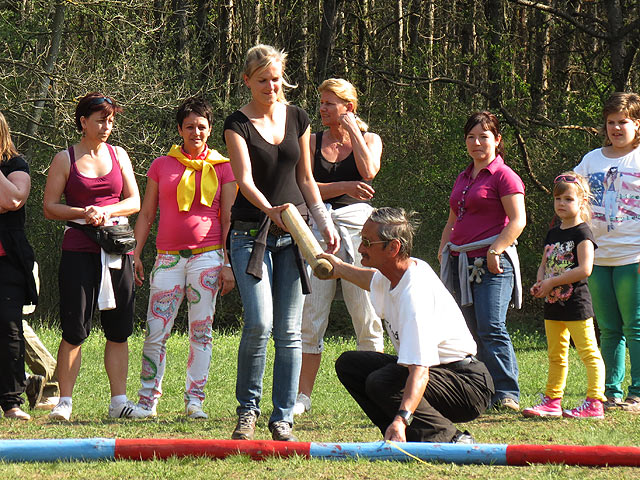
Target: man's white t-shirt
423 320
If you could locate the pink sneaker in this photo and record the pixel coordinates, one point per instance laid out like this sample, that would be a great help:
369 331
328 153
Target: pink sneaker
550 407
590 408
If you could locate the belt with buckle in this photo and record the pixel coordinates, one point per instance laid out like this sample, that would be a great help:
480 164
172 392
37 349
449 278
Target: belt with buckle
252 228
186 253
461 363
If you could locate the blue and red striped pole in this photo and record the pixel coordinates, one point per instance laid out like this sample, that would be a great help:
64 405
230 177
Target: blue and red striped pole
146 449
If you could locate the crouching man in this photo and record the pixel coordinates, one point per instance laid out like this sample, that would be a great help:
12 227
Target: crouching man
434 380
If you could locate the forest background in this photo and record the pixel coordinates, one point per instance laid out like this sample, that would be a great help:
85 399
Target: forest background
420 66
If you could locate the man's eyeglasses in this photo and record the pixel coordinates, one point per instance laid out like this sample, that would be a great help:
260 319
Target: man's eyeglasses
367 243
100 101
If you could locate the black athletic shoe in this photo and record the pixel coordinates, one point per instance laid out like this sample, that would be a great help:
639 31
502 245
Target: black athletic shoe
463 438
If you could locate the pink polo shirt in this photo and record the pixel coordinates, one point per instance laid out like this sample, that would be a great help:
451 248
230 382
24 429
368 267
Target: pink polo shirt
200 226
477 203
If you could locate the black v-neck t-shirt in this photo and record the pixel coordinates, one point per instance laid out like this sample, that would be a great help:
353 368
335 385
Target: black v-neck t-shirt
273 167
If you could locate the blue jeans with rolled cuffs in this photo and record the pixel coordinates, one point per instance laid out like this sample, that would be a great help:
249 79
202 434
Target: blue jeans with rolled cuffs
486 319
272 306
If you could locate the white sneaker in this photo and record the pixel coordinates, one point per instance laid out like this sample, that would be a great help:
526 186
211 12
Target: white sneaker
129 409
303 404
194 410
62 411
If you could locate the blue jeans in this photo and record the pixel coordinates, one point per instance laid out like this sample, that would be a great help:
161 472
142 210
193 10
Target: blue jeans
486 320
615 292
272 305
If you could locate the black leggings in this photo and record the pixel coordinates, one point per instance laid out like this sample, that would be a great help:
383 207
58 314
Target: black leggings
13 287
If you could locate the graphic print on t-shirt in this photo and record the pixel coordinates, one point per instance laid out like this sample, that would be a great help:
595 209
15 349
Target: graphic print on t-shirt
559 259
616 191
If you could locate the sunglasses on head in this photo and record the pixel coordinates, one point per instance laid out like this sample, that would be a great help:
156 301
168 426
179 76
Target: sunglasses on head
566 178
100 101
569 179
367 243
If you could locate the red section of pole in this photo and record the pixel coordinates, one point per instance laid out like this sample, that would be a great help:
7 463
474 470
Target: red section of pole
148 449
588 456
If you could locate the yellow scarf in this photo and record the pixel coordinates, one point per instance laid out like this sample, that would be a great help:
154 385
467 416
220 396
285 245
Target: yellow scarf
186 190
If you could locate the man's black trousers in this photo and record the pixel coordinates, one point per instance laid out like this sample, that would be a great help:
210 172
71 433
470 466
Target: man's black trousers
454 393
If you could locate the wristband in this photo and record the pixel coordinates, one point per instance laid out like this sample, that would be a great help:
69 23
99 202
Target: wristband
493 252
321 216
227 265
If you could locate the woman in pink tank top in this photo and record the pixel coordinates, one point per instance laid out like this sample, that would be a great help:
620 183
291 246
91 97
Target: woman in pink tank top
99 188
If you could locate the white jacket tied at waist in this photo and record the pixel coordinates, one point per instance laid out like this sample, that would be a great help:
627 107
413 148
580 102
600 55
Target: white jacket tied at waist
350 216
106 295
466 295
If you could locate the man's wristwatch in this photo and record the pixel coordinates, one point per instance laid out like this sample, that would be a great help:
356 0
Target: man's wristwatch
406 416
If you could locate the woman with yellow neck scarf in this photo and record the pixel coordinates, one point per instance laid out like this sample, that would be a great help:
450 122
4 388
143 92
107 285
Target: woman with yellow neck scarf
194 187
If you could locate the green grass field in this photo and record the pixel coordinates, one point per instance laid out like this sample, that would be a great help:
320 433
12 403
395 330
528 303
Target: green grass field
335 417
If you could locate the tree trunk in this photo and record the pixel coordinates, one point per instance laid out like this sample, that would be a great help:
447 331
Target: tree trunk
205 38
617 50
227 32
494 14
182 34
431 21
539 51
560 60
326 38
255 36
56 37
468 44
399 47
415 24
363 44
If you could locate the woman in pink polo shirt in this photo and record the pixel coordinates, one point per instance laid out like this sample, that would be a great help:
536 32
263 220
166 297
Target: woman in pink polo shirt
486 217
194 187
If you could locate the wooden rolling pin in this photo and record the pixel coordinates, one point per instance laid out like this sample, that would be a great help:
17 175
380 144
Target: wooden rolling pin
307 243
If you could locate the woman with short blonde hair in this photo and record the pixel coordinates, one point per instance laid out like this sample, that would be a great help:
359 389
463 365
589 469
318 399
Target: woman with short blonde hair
346 158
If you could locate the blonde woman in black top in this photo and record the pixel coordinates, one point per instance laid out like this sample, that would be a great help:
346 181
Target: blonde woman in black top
268 144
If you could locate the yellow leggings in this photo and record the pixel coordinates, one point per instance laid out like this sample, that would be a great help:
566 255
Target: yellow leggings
584 336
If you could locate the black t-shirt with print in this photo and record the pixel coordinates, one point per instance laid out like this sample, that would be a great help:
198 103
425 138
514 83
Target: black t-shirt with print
569 301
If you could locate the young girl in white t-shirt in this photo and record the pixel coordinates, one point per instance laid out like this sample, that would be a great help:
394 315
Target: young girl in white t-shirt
614 176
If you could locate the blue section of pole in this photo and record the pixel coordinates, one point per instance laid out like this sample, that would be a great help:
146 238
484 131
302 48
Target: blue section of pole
52 450
480 454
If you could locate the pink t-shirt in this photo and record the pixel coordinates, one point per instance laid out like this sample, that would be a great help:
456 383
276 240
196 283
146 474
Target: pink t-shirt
477 203
200 226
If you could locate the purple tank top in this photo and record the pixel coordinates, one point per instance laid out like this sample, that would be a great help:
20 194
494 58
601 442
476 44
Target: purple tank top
81 191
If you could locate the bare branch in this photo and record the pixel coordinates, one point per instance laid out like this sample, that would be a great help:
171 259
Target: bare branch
569 17
510 119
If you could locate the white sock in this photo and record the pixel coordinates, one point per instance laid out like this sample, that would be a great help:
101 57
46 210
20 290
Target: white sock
66 400
118 400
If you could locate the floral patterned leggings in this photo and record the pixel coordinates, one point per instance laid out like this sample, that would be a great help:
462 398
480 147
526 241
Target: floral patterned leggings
171 278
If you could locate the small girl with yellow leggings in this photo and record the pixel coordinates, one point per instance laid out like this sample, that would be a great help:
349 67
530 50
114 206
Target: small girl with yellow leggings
566 264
